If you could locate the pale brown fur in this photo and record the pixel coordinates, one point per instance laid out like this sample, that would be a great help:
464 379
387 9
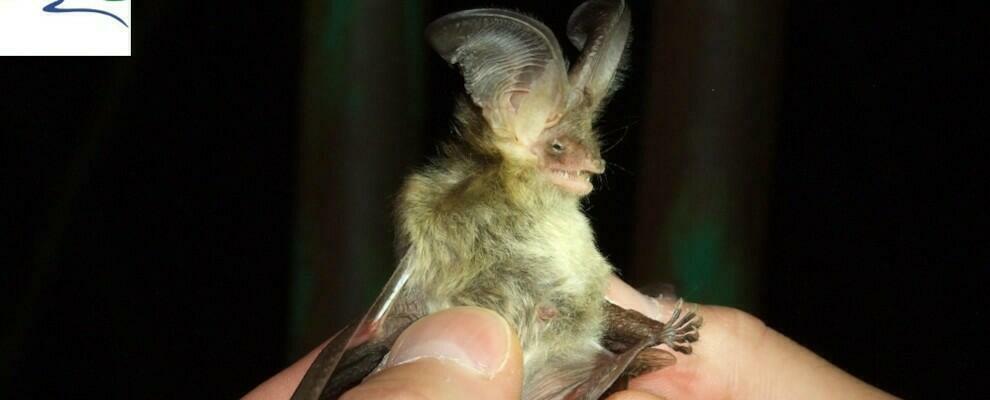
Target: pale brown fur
488 230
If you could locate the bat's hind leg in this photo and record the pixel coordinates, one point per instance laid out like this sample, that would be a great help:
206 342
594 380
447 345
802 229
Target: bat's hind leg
626 329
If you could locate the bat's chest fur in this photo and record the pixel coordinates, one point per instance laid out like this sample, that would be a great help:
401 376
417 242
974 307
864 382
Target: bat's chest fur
537 266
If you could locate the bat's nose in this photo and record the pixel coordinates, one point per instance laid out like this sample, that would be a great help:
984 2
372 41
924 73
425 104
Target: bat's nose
597 166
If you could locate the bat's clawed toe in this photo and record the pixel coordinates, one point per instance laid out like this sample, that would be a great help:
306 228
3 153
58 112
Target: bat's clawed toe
682 329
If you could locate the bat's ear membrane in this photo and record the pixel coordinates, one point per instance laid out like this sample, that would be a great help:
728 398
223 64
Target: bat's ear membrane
512 65
600 29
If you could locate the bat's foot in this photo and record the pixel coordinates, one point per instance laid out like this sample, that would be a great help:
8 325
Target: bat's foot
682 328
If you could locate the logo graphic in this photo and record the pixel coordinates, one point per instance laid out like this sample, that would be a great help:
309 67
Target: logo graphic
53 8
65 28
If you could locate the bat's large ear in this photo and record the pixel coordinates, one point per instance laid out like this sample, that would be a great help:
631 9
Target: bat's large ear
600 29
512 65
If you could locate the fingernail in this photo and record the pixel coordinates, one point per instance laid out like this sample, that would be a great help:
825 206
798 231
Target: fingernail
474 338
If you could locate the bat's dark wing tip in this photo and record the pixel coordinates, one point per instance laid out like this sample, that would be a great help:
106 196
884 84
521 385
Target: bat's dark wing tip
323 366
362 344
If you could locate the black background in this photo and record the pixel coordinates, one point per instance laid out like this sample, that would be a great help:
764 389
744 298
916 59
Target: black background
151 202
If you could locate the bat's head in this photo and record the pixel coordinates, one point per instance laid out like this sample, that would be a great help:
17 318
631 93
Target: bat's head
537 114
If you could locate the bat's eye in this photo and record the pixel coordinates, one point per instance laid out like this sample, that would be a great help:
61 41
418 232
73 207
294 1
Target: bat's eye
557 147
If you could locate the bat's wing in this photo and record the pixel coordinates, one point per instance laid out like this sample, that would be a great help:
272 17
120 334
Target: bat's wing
358 348
583 381
606 372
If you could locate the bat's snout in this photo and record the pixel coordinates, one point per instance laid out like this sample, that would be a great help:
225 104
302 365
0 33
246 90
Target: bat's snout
595 166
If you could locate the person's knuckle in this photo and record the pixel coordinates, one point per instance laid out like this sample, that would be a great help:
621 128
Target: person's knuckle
746 323
735 322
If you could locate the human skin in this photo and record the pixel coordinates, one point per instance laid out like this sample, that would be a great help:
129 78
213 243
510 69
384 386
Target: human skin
740 357
469 352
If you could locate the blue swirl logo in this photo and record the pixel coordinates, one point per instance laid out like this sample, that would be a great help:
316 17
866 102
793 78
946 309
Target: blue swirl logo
53 8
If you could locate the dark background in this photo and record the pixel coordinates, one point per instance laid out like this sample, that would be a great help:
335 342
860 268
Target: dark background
151 199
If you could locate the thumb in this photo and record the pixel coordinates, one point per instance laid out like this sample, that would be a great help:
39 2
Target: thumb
459 353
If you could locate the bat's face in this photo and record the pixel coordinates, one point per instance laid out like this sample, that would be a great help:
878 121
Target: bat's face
538 111
568 159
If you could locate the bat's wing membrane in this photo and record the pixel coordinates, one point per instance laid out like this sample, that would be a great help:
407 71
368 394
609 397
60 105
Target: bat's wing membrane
606 372
583 382
392 311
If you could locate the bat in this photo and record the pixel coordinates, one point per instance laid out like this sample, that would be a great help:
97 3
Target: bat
496 220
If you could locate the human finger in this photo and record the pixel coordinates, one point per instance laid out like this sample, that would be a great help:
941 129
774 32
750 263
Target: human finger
459 353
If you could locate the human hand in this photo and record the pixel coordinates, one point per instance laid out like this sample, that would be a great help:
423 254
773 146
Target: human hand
737 357
459 353
468 352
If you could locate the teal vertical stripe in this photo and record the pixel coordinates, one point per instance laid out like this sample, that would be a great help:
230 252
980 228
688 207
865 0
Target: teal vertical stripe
329 49
699 239
363 111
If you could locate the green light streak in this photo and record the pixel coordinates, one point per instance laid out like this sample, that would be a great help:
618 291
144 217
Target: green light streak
701 252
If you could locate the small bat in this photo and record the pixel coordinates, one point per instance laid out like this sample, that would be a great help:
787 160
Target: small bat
496 220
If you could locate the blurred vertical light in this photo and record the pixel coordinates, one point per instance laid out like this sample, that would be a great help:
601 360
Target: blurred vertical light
706 154
362 113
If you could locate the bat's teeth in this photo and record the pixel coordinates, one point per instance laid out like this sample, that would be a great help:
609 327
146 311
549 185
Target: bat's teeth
585 175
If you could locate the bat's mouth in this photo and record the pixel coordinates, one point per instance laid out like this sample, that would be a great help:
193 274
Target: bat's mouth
576 182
